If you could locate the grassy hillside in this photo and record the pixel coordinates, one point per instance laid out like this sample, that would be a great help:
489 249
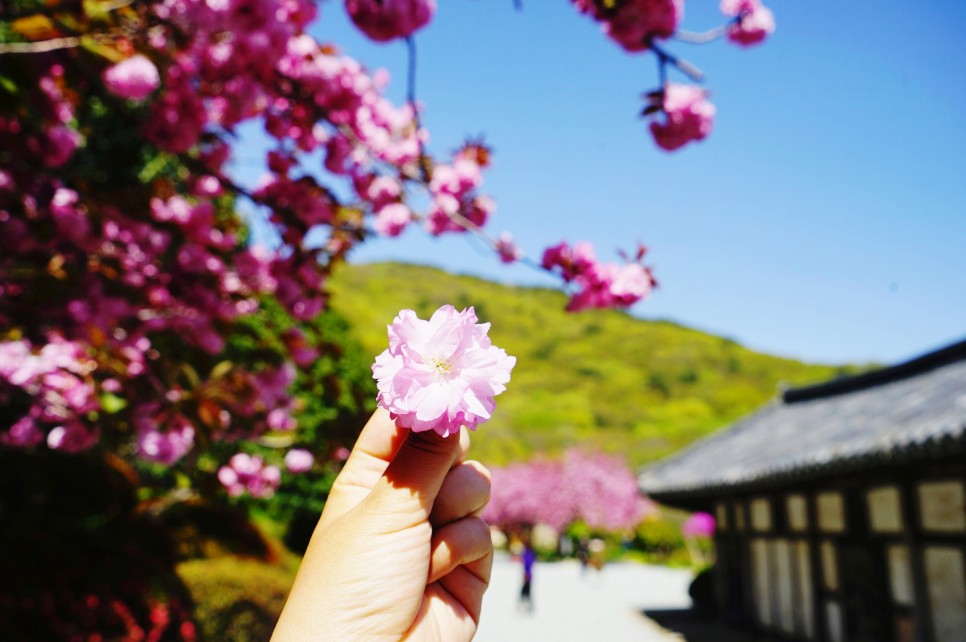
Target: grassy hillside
601 378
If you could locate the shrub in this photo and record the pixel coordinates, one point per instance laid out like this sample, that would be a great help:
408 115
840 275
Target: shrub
236 599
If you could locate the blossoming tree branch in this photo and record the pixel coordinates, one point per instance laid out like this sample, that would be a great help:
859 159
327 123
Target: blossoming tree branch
124 267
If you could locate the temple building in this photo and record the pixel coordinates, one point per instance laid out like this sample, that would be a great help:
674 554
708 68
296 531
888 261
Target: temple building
841 508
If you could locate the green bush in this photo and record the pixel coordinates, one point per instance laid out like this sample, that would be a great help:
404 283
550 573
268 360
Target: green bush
235 599
659 539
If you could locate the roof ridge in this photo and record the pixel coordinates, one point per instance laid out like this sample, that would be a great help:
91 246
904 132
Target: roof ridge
918 365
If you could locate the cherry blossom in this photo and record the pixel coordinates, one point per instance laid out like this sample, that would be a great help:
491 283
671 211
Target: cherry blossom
298 460
634 24
442 373
163 446
392 219
507 249
246 473
688 116
698 525
384 20
754 23
134 78
598 285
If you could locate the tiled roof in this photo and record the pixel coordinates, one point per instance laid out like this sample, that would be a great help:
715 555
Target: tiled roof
911 411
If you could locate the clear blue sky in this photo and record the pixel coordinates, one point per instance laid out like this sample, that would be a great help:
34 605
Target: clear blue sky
824 218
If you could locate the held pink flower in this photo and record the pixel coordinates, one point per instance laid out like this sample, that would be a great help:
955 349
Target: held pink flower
132 79
442 373
689 116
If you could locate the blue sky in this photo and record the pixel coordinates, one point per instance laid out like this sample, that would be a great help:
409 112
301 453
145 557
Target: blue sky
824 218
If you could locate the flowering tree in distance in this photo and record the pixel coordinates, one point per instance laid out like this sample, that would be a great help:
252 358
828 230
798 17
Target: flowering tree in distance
597 489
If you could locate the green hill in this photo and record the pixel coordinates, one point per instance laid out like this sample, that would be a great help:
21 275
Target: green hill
600 378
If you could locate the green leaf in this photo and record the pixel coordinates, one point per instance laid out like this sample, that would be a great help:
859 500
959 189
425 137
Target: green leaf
221 369
111 403
102 50
9 86
154 167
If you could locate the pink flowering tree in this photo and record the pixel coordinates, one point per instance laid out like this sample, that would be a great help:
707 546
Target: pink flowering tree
138 325
125 269
596 489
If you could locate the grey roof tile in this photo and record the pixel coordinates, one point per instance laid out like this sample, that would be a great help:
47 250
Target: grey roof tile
912 410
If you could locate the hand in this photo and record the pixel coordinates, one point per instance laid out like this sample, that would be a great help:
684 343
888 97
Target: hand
400 550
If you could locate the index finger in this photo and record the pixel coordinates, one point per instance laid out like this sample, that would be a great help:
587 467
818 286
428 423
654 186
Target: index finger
374 449
376 446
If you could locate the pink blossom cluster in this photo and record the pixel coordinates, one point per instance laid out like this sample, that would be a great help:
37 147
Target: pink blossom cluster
53 384
246 473
123 276
598 489
635 24
299 460
51 138
384 20
134 78
688 115
598 285
124 285
698 525
442 373
753 21
162 437
453 188
506 248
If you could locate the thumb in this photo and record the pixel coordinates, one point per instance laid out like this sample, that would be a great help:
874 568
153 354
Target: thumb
409 486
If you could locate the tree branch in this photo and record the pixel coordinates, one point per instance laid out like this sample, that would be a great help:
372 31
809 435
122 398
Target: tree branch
41 46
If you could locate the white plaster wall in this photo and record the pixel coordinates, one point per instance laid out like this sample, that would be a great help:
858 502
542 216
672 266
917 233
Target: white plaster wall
761 514
721 515
762 580
834 627
943 506
797 512
830 569
947 592
885 510
900 575
831 512
805 589
782 552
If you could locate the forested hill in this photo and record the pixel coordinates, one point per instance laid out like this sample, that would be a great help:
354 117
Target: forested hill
601 378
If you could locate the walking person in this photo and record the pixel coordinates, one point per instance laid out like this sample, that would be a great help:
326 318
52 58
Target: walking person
528 558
